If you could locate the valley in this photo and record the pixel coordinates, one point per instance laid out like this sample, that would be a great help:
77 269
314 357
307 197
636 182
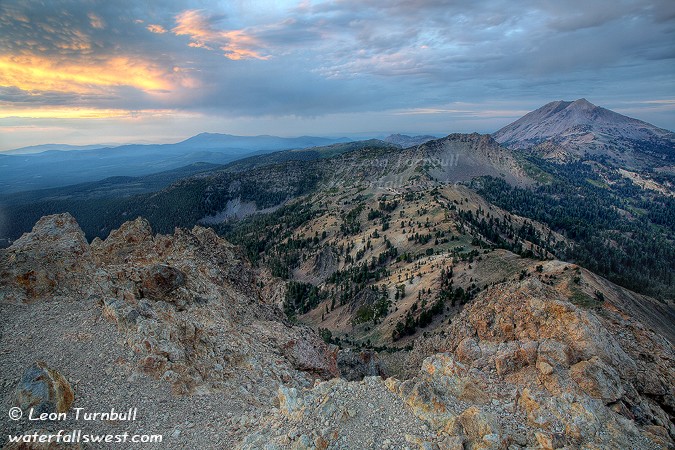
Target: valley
337 225
460 292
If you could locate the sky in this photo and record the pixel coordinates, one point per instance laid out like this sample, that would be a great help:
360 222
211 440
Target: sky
88 72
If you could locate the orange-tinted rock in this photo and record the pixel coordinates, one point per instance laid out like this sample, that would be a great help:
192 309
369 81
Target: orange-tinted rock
597 379
53 259
44 390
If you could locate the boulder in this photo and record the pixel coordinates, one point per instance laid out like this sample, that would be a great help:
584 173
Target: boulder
597 379
53 259
310 354
44 389
159 280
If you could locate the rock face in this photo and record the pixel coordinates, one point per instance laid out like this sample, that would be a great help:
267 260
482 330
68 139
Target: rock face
186 305
571 369
44 390
46 262
521 366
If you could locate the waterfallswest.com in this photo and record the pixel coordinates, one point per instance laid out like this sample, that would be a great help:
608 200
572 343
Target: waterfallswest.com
78 437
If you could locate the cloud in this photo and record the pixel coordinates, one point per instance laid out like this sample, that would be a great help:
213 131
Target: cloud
76 113
12 96
38 73
96 21
235 44
158 29
404 59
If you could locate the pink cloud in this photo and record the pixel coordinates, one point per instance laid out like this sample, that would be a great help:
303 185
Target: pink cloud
235 44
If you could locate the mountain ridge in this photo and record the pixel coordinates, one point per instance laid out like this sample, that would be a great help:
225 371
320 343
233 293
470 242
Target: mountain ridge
54 168
41 148
181 319
408 141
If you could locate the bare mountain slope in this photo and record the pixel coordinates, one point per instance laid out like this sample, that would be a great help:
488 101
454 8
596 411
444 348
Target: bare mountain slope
131 319
520 367
579 127
454 158
405 141
179 327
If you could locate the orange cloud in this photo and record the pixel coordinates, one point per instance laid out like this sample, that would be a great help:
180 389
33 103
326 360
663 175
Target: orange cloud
236 44
156 29
36 73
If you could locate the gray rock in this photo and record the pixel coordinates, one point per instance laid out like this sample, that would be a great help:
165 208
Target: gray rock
44 389
355 366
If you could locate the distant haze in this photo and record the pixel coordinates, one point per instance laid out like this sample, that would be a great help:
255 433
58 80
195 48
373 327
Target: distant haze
25 171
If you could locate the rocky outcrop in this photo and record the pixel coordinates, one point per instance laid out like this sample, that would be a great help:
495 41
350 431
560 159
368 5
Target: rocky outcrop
521 366
46 263
44 390
571 369
192 312
355 365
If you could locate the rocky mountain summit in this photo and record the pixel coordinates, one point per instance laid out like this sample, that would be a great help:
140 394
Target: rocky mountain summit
182 312
520 367
190 333
564 130
405 141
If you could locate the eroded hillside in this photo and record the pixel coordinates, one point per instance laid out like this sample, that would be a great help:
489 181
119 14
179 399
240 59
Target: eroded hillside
183 329
372 263
136 317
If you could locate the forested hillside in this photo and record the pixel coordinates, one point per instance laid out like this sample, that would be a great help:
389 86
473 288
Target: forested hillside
613 222
621 231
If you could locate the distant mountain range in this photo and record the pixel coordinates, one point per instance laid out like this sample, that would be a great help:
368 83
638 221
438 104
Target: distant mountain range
61 147
559 131
586 202
53 168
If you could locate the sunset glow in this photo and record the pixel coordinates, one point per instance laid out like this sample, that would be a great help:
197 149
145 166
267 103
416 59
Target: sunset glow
46 74
310 67
78 113
235 44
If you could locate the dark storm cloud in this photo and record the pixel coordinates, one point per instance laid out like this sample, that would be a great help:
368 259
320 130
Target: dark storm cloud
472 31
